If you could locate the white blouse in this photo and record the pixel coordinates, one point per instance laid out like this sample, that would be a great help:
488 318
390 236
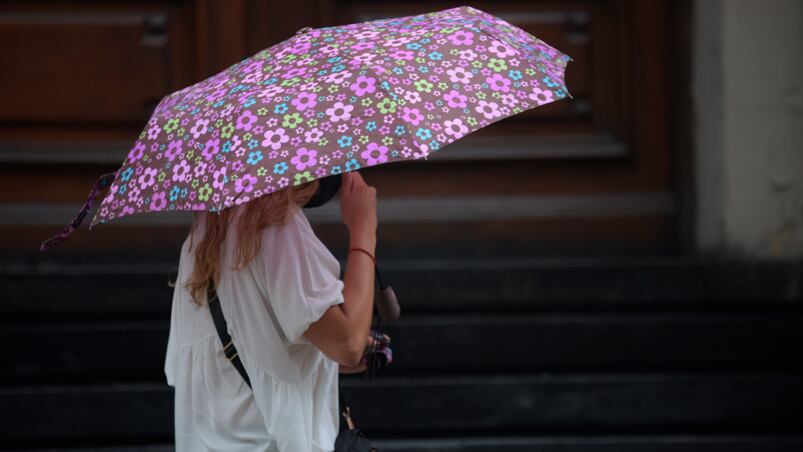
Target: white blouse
268 306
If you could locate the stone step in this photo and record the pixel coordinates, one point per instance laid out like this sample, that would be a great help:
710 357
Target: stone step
678 443
705 403
634 443
441 344
61 289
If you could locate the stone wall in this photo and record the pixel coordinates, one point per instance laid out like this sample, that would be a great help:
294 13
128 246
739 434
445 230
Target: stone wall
747 87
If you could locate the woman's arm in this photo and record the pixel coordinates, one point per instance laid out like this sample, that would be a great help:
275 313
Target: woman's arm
342 332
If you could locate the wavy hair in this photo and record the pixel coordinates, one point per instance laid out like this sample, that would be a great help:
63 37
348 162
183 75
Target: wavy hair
259 213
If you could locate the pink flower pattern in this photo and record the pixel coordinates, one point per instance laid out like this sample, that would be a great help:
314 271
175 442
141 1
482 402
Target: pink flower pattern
304 158
389 95
363 85
374 154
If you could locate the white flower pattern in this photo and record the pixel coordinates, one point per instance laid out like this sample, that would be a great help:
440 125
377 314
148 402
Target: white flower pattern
331 100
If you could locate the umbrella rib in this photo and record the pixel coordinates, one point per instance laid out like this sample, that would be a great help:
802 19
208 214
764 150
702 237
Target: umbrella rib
395 97
475 25
232 109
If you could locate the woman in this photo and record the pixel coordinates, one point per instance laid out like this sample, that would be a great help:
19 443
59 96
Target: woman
293 321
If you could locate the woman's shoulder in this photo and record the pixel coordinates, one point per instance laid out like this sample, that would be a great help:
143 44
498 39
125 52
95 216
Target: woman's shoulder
297 236
296 223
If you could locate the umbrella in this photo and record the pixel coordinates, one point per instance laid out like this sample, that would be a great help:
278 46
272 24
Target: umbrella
327 101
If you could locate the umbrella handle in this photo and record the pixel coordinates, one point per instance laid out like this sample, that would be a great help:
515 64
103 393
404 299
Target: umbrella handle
102 182
387 305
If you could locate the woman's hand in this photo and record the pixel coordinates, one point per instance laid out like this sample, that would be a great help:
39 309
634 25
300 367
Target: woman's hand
358 204
363 364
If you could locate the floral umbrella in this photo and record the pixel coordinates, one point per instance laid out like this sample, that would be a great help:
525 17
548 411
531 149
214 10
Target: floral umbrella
327 101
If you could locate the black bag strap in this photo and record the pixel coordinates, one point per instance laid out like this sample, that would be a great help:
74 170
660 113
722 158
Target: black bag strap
223 333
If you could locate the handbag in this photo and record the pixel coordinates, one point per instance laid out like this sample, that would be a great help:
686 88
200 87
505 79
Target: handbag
349 437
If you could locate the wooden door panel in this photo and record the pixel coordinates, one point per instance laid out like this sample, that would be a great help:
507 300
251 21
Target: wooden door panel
606 143
83 67
564 176
593 33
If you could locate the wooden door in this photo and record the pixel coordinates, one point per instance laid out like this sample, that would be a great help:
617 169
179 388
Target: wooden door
591 174
582 175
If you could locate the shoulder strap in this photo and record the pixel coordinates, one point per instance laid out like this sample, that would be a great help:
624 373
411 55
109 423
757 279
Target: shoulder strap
223 333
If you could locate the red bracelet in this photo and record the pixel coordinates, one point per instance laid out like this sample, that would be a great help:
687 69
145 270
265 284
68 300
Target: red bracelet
364 251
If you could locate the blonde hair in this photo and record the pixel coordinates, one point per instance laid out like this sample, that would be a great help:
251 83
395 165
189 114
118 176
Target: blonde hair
259 213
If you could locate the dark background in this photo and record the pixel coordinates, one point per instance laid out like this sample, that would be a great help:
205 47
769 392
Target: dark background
570 306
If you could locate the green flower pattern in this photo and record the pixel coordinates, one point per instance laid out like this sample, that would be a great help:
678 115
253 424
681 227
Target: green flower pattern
332 100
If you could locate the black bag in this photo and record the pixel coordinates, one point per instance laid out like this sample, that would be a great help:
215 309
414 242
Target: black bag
349 439
352 440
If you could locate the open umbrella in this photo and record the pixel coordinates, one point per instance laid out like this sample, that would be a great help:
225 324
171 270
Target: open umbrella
327 101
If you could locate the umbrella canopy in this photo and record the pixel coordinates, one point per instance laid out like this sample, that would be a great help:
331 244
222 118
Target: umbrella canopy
332 100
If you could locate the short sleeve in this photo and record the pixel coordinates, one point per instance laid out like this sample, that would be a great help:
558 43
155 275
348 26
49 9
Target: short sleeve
302 275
